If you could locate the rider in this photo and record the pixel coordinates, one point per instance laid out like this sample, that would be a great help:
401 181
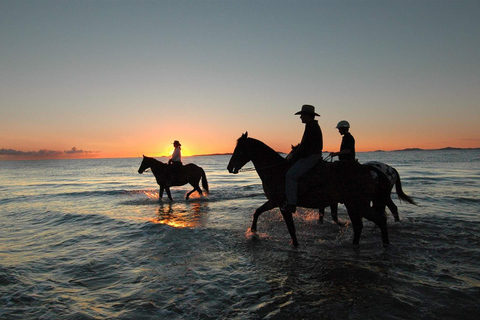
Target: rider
175 163
307 155
347 148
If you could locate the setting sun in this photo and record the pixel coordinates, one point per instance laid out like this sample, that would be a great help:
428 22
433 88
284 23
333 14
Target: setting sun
108 95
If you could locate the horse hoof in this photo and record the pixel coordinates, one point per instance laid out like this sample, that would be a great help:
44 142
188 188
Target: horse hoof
341 224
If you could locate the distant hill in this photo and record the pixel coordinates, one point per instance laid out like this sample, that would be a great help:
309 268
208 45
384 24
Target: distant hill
441 149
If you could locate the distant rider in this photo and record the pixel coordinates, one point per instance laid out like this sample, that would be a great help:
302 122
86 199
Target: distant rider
347 148
175 163
307 155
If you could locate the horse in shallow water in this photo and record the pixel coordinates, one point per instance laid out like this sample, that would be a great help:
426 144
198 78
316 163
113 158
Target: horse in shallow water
338 182
389 175
393 178
379 169
190 173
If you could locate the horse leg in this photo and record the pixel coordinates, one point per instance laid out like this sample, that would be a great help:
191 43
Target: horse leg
377 215
264 207
195 188
167 189
357 222
288 217
334 211
198 189
393 208
321 214
160 192
381 222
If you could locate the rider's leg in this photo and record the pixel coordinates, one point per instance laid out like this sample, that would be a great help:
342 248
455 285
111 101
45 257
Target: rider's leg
293 174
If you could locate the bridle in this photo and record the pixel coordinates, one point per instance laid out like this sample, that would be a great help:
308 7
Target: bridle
261 168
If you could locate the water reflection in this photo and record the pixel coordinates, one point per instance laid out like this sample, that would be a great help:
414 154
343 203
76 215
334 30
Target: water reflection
182 215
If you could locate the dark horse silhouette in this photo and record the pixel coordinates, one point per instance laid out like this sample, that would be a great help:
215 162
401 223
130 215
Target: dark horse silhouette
390 175
338 182
393 178
190 173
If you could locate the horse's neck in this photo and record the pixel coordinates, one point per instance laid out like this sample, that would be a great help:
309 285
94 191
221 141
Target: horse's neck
265 159
157 167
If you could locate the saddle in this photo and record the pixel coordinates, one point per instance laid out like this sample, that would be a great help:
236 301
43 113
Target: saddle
175 172
338 180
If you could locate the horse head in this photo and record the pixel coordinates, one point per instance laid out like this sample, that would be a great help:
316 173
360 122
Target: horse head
148 162
144 165
241 155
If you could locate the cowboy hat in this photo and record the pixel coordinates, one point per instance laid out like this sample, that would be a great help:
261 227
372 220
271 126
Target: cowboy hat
308 109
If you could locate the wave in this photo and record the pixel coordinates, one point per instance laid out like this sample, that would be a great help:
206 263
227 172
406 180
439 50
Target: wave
464 200
8 276
150 197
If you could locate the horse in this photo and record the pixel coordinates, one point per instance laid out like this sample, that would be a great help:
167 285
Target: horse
190 173
393 177
378 169
321 211
338 182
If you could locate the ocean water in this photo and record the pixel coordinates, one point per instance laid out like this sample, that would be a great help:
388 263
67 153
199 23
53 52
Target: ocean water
90 239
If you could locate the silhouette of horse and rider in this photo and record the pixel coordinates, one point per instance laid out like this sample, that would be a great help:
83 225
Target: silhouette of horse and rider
175 173
302 179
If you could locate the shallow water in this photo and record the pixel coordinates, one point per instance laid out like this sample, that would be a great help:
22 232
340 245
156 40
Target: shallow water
89 239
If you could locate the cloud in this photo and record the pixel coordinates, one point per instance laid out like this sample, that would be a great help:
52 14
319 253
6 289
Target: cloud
43 153
74 150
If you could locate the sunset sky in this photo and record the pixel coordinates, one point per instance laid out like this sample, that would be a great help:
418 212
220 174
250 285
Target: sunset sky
126 78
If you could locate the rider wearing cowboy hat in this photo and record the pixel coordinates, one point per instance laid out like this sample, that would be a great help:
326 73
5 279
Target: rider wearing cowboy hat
308 154
175 163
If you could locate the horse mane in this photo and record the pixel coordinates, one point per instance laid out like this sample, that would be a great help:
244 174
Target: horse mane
155 161
259 145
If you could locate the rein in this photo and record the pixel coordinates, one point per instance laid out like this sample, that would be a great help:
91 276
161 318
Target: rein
327 158
253 169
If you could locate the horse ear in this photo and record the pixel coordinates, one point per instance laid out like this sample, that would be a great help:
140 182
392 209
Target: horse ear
144 156
246 134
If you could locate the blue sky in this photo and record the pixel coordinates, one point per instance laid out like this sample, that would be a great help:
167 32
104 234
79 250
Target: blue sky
123 78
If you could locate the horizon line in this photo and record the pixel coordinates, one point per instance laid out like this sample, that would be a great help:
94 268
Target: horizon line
213 154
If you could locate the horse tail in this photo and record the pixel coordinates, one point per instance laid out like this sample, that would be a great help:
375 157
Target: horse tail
401 195
204 181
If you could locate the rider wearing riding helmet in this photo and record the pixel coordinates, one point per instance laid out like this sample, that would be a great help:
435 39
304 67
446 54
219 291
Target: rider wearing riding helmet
347 148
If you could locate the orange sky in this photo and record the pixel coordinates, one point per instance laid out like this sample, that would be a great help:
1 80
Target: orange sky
404 74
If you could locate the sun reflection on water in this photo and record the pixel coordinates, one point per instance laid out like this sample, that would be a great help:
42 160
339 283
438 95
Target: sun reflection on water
151 194
179 215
